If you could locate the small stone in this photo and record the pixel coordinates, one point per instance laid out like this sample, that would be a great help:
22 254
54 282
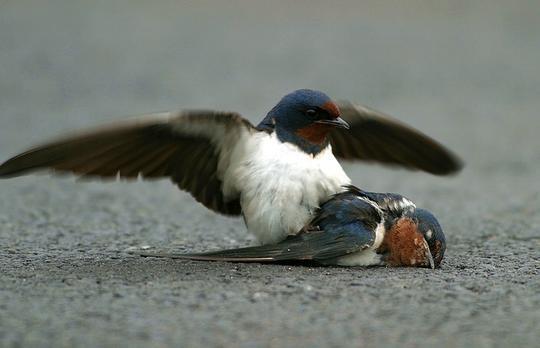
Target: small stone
259 295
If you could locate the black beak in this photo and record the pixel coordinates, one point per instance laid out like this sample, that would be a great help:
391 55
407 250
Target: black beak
336 122
427 253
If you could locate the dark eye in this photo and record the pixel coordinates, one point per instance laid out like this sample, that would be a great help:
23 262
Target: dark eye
311 112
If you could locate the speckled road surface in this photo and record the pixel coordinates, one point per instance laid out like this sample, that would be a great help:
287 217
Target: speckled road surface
465 72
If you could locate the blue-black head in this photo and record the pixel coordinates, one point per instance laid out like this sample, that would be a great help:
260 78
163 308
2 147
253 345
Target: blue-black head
304 118
430 228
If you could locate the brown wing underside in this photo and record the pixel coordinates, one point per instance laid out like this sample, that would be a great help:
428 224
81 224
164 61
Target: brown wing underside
151 149
374 136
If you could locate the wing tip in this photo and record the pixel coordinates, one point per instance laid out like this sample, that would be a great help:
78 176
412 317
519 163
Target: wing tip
210 256
451 166
9 169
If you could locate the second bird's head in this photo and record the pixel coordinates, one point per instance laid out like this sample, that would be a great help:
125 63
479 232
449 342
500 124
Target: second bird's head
305 116
415 239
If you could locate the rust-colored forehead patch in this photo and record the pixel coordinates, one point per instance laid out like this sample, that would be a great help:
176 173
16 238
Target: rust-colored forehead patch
331 108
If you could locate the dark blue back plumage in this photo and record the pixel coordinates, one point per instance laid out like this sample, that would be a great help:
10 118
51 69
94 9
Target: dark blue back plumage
345 210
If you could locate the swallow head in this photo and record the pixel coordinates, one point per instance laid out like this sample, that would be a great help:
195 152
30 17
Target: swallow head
416 239
433 234
305 117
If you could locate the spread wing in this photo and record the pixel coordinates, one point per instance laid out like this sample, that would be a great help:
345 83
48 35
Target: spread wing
191 148
374 136
309 246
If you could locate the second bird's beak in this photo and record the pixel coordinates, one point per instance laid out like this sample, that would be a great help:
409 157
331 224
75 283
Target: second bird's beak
336 122
427 254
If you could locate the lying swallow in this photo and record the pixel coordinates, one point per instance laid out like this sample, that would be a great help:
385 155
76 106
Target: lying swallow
275 174
353 228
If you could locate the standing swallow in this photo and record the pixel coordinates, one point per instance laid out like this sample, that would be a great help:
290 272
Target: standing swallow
275 174
353 228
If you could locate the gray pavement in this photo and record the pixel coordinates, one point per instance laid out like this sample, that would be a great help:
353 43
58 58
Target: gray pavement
465 72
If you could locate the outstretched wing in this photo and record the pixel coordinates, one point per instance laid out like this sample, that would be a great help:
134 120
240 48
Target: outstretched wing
190 147
309 246
374 136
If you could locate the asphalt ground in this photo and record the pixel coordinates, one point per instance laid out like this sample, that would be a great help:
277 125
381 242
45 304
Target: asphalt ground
465 72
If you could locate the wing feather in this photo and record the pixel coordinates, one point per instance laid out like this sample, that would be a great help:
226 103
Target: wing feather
318 246
186 147
374 136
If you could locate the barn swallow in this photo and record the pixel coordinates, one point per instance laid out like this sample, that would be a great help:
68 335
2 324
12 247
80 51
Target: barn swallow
275 174
353 228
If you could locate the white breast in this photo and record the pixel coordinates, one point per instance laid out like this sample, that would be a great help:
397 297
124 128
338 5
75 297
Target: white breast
280 185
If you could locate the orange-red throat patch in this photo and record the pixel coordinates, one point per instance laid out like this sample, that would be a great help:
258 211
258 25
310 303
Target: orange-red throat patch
405 245
315 133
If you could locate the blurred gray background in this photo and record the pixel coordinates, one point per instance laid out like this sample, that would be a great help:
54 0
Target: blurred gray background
465 72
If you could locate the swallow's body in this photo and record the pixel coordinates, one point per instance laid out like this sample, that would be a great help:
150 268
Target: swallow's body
353 228
275 174
279 199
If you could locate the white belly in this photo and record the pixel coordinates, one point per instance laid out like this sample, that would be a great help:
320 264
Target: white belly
282 186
